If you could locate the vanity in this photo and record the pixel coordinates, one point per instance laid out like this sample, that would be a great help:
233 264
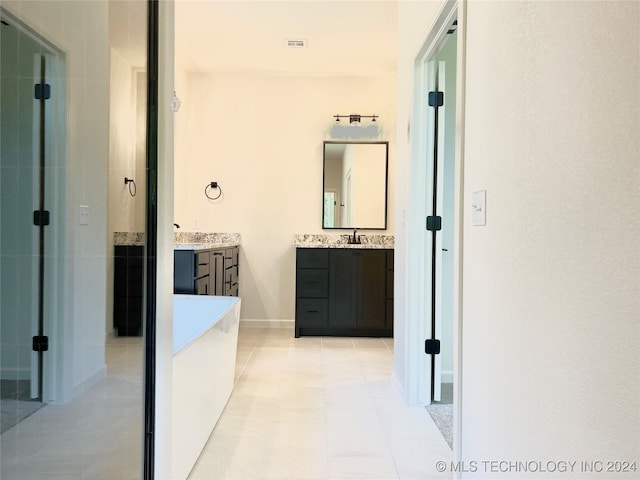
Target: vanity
128 283
344 283
344 289
204 264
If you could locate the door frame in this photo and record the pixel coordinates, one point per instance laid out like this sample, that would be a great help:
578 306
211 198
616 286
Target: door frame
56 276
419 365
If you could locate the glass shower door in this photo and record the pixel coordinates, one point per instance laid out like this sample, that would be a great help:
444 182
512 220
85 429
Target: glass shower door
22 243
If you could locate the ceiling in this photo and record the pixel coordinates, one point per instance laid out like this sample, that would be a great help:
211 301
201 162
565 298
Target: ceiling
344 38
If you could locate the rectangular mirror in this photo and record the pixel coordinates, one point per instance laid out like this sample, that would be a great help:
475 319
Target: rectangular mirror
354 185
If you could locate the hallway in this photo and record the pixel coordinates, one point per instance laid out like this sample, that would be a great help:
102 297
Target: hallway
319 408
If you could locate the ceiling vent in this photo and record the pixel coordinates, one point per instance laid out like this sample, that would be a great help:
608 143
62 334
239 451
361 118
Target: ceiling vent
296 42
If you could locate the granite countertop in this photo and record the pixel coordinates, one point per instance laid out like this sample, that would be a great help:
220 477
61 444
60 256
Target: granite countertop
184 240
320 240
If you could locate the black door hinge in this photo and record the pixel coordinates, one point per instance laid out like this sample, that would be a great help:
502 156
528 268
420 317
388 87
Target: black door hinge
42 91
434 223
40 343
432 346
41 218
436 99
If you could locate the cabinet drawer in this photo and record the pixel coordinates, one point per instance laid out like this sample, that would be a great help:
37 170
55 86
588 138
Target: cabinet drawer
202 264
312 283
311 313
313 258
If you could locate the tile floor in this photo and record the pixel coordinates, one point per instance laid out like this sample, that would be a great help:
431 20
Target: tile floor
319 408
307 408
96 436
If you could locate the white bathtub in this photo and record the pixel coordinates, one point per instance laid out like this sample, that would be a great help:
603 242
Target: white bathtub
205 340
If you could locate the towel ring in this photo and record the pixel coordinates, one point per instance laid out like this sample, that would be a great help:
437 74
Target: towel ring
129 182
212 186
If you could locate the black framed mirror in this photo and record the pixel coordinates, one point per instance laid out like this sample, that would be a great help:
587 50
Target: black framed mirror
354 185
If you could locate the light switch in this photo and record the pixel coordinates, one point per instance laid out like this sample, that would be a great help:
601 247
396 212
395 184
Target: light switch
84 215
479 206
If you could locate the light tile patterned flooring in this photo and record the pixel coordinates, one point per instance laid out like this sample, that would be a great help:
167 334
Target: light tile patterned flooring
96 436
307 408
319 408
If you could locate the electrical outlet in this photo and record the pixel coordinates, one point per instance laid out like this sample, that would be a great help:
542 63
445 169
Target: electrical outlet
196 225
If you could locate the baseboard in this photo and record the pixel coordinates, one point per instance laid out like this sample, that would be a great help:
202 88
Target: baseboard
96 377
266 323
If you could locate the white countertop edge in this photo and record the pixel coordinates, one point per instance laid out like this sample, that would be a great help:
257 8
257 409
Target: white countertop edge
203 246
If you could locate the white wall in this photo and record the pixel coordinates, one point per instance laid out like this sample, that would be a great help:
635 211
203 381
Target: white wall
260 137
80 335
551 341
553 280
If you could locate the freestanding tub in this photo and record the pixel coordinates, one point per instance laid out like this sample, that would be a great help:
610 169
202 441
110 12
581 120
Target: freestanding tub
205 340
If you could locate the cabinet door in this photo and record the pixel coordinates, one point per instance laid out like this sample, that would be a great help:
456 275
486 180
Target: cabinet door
128 288
184 271
371 301
342 288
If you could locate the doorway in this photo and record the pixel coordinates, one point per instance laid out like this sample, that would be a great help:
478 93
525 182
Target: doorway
31 189
441 179
436 237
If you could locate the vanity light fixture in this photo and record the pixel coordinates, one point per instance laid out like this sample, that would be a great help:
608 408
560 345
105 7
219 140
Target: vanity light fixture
355 129
355 118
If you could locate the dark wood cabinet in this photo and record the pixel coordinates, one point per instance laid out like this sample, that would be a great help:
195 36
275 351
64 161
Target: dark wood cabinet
344 292
128 281
206 272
